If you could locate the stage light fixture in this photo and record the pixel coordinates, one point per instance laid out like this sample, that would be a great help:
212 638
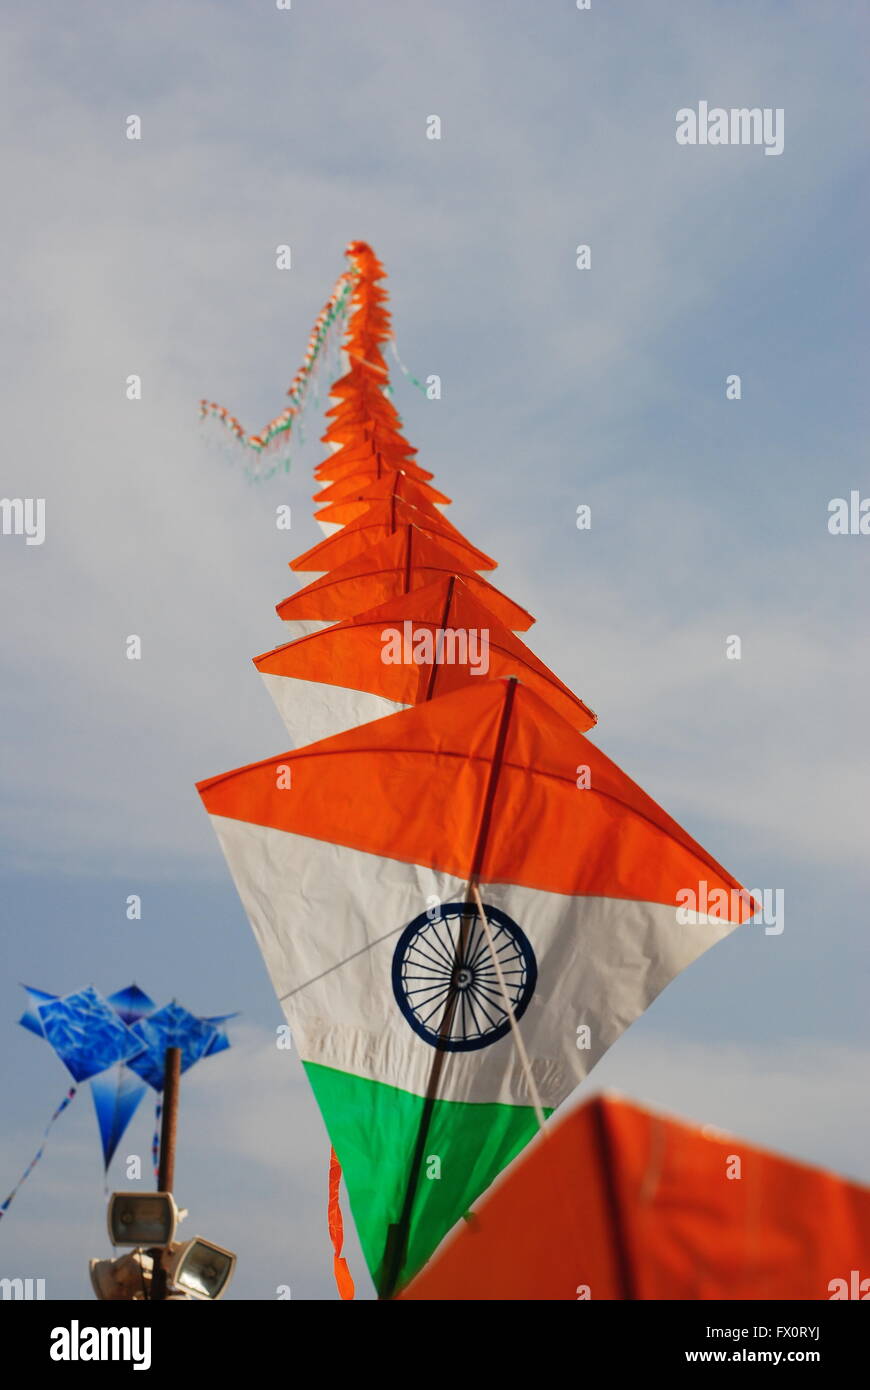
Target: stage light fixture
199 1268
142 1218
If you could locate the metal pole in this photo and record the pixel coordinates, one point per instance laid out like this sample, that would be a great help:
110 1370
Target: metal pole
166 1167
169 1125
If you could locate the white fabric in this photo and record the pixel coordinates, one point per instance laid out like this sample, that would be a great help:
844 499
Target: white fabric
328 919
303 627
313 710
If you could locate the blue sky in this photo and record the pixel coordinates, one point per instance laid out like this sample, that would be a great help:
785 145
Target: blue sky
606 387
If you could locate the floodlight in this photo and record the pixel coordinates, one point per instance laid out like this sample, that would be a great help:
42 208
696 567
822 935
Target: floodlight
128 1277
142 1218
199 1268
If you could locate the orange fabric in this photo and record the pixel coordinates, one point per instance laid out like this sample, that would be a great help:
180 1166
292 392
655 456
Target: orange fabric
363 445
369 458
343 1280
385 444
362 414
367 402
356 431
347 387
351 653
360 476
381 520
412 787
356 502
402 562
346 463
375 472
366 385
638 1205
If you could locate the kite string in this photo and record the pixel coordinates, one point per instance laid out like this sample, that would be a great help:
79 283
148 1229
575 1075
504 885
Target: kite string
520 1045
39 1152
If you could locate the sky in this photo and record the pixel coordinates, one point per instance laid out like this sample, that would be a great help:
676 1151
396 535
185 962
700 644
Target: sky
560 387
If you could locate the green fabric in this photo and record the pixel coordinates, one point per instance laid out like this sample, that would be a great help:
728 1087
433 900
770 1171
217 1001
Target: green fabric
374 1130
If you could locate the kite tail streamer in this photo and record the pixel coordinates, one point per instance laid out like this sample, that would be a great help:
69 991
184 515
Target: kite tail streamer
343 1281
268 451
277 432
39 1152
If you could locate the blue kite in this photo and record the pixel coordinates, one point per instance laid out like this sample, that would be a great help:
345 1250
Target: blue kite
118 1044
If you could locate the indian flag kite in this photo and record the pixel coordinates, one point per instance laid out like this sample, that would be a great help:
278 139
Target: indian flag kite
368 865
461 902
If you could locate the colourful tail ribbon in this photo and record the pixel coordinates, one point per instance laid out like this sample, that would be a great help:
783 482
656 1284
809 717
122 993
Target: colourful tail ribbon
39 1152
343 1280
335 311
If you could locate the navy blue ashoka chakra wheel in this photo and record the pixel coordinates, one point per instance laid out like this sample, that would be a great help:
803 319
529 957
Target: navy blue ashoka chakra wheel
445 980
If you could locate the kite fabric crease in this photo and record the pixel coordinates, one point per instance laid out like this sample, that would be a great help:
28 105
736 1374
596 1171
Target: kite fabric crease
461 901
